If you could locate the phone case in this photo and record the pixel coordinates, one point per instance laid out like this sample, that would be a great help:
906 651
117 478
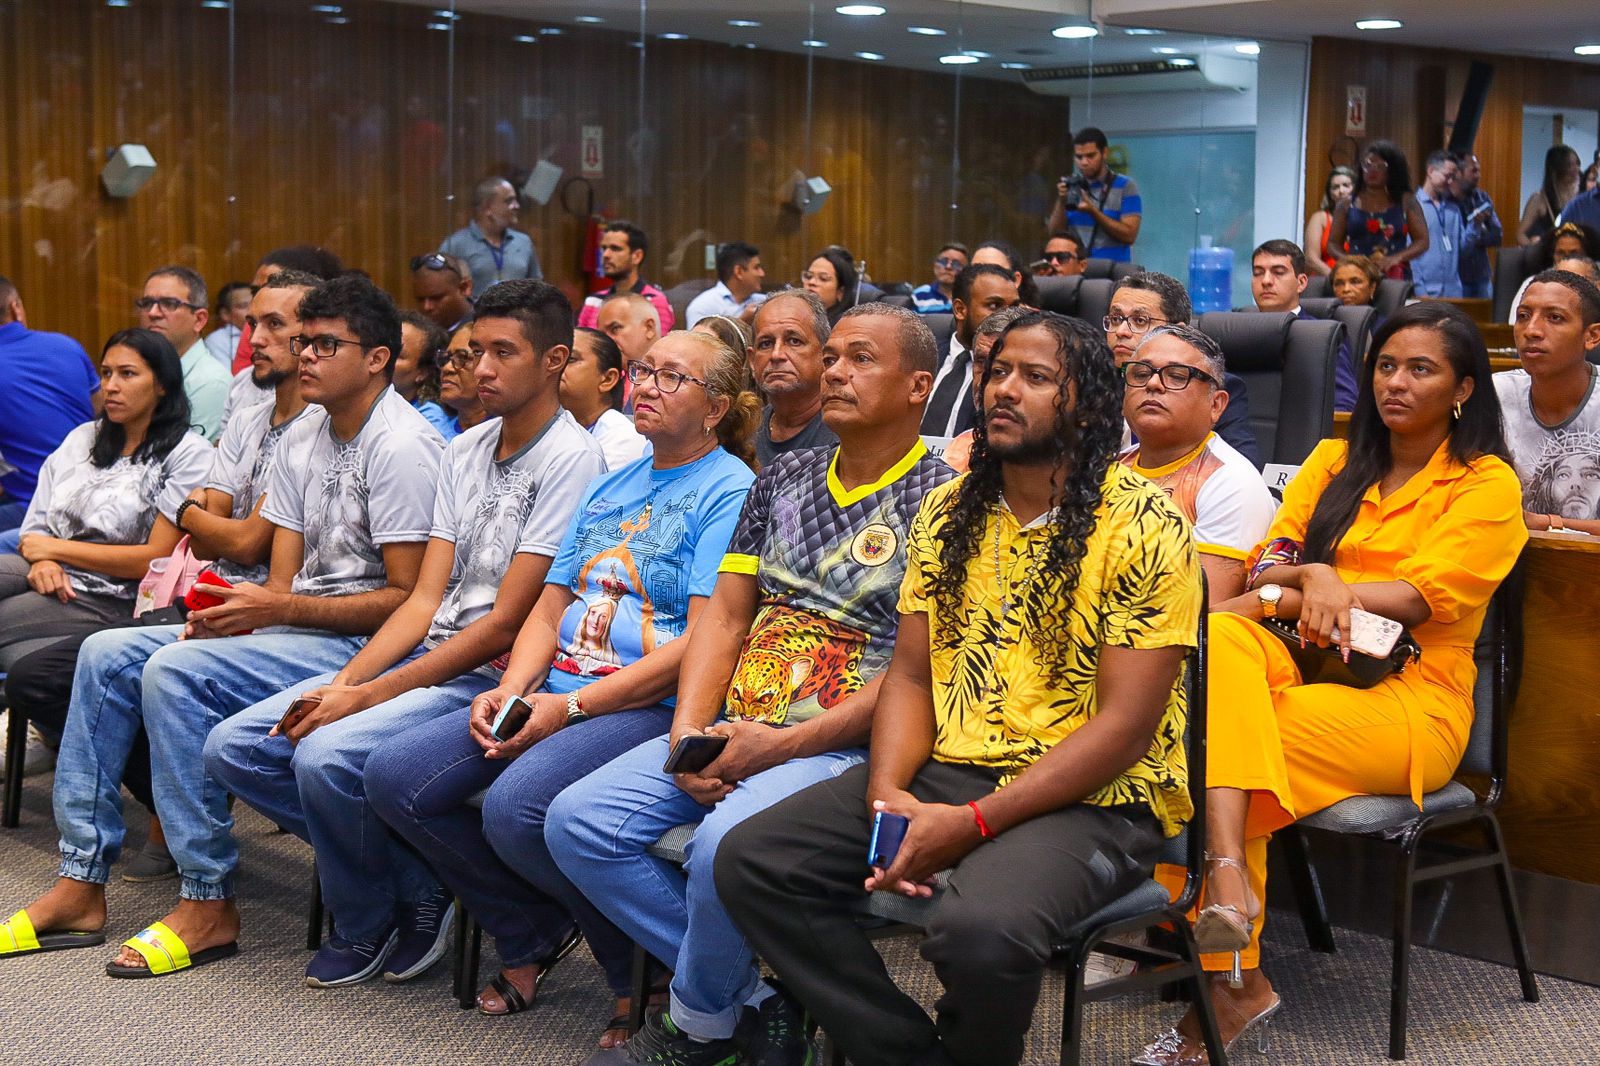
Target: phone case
1372 634
514 714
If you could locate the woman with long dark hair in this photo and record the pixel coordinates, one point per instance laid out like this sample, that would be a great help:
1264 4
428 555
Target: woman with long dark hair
1382 219
1563 179
1340 184
833 277
106 499
1417 518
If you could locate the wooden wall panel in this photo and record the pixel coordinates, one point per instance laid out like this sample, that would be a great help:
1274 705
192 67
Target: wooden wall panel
1412 96
339 137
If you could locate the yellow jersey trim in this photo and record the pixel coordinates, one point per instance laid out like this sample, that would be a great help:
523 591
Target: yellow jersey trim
899 470
1177 464
734 563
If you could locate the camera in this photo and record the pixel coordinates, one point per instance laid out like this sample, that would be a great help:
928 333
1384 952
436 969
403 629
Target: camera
1077 187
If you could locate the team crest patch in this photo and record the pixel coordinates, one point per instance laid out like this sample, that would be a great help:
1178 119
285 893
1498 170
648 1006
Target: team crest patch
874 545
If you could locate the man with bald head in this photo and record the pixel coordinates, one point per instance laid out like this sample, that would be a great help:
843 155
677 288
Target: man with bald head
489 245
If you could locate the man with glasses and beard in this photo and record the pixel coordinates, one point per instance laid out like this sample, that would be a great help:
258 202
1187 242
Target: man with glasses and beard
1029 726
934 298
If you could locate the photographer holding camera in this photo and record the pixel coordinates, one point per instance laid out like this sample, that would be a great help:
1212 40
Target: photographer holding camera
1102 206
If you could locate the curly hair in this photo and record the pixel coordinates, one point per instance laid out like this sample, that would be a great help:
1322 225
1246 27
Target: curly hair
1086 438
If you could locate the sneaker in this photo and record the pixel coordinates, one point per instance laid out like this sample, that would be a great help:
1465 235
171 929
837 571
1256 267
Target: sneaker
660 1043
424 937
38 758
153 862
1101 967
779 1032
348 962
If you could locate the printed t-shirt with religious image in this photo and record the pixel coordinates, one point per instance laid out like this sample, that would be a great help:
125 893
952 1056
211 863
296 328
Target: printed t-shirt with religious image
1559 466
1219 491
242 465
828 563
994 702
350 498
492 509
117 504
643 541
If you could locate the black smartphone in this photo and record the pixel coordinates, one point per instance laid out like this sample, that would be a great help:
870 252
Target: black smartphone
296 706
693 752
888 831
514 714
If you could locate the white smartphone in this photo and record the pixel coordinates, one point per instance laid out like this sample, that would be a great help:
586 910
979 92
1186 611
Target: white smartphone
1372 634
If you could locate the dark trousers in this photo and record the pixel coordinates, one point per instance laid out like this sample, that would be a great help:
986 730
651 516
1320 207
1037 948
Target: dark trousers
39 685
791 874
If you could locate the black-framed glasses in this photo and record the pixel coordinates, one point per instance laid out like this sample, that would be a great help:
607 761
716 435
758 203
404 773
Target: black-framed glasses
667 379
169 304
322 346
1174 376
949 264
1138 322
460 358
434 261
1061 257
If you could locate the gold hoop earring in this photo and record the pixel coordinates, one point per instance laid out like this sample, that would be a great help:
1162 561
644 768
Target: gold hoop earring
1458 410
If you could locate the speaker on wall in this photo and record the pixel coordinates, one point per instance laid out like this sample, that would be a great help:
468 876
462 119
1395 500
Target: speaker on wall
130 166
808 194
1470 113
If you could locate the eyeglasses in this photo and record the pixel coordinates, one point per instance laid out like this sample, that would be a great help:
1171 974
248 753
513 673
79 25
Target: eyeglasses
949 264
434 261
1138 322
667 380
169 304
323 345
1061 257
460 358
1174 376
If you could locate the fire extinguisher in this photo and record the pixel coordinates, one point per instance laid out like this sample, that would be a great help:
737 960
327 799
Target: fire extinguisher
589 265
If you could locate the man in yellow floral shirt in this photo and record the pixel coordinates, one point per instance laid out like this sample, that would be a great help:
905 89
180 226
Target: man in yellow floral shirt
1030 725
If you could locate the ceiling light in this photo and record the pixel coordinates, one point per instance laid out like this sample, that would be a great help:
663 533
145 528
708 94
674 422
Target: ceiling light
926 31
813 43
1181 61
550 31
327 9
859 9
674 36
1378 24
1016 66
744 24
337 20
1075 33
1588 50
214 5
958 60
438 25
525 38
874 56
119 3
443 14
1248 48
1165 51
588 18
975 52
1140 31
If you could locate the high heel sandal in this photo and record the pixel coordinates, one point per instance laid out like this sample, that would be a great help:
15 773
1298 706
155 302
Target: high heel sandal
515 1002
1171 1049
1222 927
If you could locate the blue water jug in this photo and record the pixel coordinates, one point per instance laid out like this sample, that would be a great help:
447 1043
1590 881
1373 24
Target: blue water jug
1210 278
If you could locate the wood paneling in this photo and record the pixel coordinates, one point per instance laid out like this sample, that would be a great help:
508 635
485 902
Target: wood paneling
1412 96
338 136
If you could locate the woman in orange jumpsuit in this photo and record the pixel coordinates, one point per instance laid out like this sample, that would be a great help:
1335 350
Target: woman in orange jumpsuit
1417 519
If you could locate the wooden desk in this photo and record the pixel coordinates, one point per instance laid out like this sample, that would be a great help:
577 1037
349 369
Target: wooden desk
1551 813
1480 310
1497 363
1497 335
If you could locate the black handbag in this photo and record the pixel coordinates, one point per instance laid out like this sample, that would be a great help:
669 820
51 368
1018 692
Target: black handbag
1325 666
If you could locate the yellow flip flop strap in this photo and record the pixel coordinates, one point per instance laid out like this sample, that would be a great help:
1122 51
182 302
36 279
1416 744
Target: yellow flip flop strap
163 950
17 935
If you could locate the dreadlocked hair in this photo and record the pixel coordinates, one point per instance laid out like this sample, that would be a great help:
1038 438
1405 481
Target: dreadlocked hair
1086 440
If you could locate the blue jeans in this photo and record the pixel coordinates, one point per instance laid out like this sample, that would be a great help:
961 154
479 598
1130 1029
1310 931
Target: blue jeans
179 690
598 829
315 790
496 861
11 515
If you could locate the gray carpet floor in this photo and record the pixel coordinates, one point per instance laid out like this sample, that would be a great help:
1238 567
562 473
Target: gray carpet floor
254 1009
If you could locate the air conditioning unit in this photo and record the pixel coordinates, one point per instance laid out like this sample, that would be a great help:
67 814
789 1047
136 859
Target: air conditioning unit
1196 73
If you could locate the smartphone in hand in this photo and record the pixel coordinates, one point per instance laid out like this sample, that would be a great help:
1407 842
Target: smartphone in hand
514 714
297 708
888 832
693 752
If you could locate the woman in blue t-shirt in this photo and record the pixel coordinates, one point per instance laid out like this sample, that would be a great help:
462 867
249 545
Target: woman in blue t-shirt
597 661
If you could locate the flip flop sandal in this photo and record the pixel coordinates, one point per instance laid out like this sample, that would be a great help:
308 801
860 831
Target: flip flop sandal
513 999
17 937
165 953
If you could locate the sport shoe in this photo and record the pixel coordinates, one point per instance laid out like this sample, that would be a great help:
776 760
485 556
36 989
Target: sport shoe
660 1043
1102 967
779 1032
424 937
153 862
38 758
348 962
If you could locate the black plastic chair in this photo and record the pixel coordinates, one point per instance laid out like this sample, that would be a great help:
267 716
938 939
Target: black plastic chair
1288 365
16 734
1512 266
1395 820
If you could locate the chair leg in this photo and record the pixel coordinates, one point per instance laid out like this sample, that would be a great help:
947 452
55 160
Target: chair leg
314 919
1072 1006
640 985
468 952
1307 890
1200 997
1508 900
16 764
458 958
1399 981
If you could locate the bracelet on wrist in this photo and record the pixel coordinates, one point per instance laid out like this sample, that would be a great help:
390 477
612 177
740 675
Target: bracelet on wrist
183 508
983 827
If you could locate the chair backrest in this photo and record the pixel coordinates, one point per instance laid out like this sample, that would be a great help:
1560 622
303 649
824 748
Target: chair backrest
943 326
1359 323
1094 300
679 295
1392 295
1321 306
895 299
1498 656
1287 365
1097 268
1318 287
1122 270
897 288
1512 266
1188 848
1059 294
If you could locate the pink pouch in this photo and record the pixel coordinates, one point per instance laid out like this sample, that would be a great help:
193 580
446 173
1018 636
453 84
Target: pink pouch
168 580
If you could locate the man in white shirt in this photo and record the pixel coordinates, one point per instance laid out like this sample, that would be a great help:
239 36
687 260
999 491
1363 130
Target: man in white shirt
980 290
173 304
737 292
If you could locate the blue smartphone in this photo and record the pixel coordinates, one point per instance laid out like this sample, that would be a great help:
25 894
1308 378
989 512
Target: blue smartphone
888 830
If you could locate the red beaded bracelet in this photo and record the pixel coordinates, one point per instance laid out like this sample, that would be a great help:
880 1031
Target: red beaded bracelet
983 827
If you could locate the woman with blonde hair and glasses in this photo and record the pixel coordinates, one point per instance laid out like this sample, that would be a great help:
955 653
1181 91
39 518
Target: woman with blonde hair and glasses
631 577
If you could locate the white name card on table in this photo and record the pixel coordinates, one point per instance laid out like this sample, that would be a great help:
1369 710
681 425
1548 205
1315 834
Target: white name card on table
1277 476
936 445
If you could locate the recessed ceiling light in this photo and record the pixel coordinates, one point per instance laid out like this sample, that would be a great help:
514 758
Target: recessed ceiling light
438 25
1378 24
813 43
926 31
327 9
119 3
214 5
958 60
874 56
1165 51
525 38
1182 61
550 31
744 24
975 52
443 14
859 9
749 44
1248 48
337 20
674 36
1075 33
588 18
1016 66
1140 31
1588 50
